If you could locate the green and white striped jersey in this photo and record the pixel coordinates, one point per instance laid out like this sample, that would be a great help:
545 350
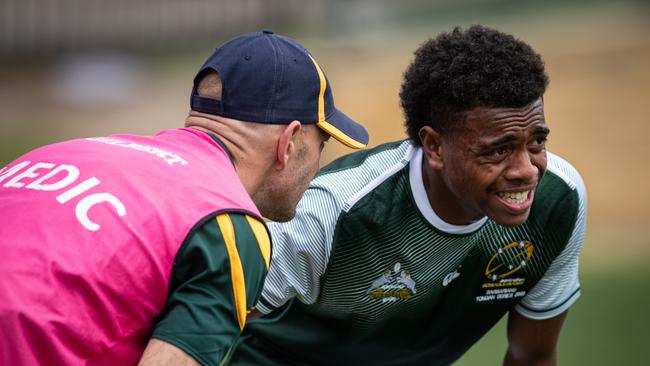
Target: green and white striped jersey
367 273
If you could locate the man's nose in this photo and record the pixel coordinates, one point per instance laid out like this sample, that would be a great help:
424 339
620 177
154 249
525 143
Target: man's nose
522 167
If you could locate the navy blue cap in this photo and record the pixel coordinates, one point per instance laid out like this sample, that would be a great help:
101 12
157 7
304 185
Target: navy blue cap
269 78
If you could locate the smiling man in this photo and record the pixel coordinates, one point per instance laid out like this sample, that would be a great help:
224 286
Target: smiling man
489 166
408 253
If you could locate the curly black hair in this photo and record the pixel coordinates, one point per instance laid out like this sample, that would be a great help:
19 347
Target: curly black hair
461 70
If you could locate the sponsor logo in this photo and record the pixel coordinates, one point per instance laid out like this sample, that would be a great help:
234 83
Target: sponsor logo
393 284
168 157
450 277
507 261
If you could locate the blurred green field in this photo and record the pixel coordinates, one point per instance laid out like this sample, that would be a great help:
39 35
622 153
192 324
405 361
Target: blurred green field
607 326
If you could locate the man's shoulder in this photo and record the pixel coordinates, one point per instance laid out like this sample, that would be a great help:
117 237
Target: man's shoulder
387 153
560 181
561 195
355 173
565 171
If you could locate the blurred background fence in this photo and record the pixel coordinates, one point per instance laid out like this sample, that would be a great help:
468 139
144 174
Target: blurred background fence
53 26
71 68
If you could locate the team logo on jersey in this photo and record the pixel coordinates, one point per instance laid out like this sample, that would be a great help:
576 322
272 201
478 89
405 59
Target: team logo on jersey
506 261
509 259
393 284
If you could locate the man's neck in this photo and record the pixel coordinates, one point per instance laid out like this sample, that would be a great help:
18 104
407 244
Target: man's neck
443 201
249 149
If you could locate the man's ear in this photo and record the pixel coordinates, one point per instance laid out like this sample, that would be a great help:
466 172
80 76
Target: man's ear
431 147
287 143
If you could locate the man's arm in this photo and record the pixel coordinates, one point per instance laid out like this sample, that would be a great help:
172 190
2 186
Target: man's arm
533 342
216 278
161 353
253 314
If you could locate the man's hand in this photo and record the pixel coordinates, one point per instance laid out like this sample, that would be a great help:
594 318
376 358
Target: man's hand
254 314
532 342
161 353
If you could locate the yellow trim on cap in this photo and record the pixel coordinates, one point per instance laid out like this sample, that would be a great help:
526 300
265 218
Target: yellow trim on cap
339 135
236 269
321 93
322 123
262 237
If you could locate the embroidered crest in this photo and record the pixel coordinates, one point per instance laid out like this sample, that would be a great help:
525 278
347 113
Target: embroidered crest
392 285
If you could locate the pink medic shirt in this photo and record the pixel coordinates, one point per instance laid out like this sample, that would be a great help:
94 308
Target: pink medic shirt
89 229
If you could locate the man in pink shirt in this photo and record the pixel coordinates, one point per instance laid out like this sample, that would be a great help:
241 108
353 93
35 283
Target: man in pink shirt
152 249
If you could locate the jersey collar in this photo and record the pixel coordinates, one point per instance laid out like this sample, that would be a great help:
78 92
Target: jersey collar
223 146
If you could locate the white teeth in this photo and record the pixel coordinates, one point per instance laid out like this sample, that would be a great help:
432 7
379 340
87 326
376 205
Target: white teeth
515 197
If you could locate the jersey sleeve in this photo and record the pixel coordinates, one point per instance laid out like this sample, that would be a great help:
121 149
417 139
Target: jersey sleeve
301 249
216 279
560 286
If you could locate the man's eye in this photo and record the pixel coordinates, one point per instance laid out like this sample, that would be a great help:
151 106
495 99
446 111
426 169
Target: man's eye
499 152
538 143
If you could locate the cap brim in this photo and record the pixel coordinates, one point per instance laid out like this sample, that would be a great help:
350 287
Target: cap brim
345 130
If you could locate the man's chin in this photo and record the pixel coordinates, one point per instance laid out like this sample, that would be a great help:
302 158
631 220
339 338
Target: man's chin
510 220
277 215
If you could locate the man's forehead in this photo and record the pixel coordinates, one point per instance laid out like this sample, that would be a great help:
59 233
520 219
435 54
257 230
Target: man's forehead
483 119
535 108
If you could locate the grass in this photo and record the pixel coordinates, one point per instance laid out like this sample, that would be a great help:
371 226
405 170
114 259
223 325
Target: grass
607 326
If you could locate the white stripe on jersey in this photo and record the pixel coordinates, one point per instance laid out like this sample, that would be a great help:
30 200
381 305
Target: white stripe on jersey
377 181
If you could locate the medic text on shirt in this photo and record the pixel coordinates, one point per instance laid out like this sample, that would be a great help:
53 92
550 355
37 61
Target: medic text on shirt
57 178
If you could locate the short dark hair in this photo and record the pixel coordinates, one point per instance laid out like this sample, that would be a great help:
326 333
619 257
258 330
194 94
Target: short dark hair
461 70
209 84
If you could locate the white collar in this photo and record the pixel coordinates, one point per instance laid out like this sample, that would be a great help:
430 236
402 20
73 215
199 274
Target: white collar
422 201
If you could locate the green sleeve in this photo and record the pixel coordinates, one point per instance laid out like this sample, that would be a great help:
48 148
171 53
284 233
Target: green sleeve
217 277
